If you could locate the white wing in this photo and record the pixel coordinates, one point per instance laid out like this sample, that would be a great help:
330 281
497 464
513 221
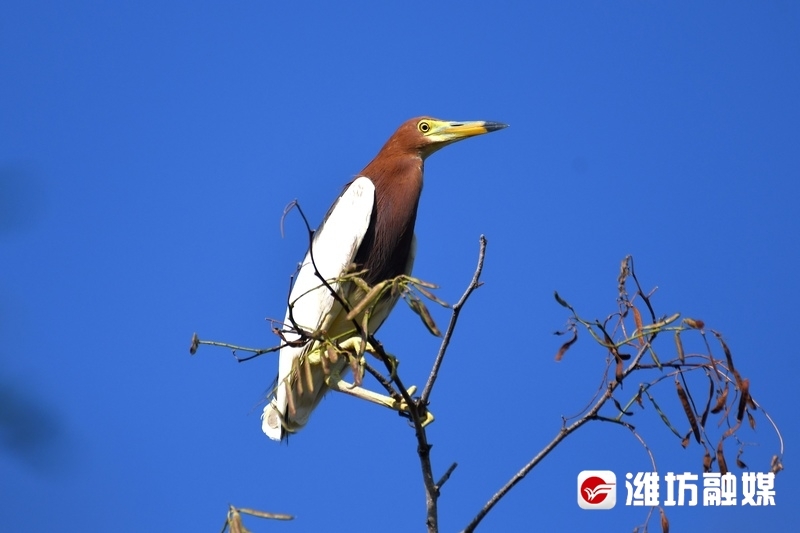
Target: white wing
334 248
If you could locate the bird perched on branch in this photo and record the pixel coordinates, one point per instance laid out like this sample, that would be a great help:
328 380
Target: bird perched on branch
370 230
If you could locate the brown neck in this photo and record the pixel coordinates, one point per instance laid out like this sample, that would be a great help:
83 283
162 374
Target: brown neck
398 186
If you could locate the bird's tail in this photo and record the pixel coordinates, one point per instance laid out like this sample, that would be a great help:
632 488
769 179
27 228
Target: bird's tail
300 388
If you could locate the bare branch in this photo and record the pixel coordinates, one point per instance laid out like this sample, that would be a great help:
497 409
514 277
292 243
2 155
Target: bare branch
446 476
474 284
562 434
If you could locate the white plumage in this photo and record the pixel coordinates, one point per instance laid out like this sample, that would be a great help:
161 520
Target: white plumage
314 308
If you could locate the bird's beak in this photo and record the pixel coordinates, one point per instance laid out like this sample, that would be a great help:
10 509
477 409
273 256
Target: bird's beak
445 132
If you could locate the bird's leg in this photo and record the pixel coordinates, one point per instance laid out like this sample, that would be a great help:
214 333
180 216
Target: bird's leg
335 382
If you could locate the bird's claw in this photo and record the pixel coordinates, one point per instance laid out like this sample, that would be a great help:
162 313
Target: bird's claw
334 382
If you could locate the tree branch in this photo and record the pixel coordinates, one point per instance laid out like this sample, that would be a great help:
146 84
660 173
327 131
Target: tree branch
562 434
437 363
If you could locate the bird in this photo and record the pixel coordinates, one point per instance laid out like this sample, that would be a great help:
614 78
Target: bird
369 229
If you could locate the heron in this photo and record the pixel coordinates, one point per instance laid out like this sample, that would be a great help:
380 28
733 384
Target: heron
370 230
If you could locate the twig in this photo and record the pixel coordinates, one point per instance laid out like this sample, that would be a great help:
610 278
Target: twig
446 476
474 284
255 351
562 434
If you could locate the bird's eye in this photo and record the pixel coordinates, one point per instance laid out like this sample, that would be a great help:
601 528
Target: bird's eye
424 127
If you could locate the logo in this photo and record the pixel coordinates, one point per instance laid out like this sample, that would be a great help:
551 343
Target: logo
597 489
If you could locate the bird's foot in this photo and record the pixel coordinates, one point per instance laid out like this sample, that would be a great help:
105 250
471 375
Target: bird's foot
359 346
334 382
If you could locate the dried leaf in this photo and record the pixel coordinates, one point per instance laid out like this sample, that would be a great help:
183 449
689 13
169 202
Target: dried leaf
750 419
664 521
723 465
195 344
704 417
418 307
566 345
561 301
685 440
707 461
739 461
619 407
624 272
619 371
722 399
687 408
370 298
421 283
775 464
637 319
744 393
430 296
694 324
679 346
728 356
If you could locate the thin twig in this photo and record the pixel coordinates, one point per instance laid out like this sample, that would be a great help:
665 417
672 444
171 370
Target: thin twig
446 476
256 351
474 284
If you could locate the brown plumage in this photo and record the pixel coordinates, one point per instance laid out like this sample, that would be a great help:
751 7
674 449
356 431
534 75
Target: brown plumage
371 225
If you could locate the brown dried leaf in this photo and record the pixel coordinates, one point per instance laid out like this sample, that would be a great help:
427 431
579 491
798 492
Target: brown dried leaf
637 319
685 440
418 307
664 521
430 296
739 461
687 408
639 400
195 344
693 323
722 399
707 461
750 419
624 271
566 345
775 464
728 356
679 346
744 393
723 465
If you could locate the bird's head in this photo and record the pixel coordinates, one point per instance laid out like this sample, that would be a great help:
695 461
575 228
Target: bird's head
425 135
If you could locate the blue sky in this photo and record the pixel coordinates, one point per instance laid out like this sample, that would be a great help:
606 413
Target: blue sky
147 152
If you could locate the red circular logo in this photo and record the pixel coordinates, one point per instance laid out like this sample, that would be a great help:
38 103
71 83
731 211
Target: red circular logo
593 490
